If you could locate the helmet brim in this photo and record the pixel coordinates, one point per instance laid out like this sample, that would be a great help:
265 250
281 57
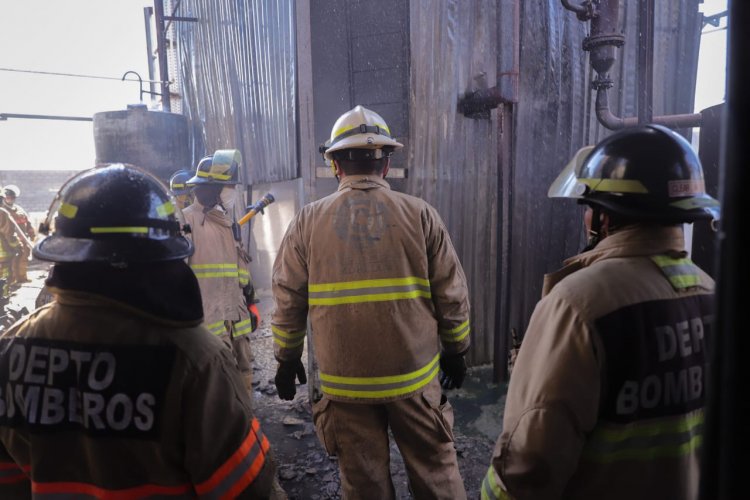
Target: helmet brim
116 250
684 210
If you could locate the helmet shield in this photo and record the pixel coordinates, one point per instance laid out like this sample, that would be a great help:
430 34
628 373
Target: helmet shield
220 168
646 172
117 214
359 128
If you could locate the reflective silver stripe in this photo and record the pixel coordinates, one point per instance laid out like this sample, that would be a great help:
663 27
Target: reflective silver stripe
682 273
379 387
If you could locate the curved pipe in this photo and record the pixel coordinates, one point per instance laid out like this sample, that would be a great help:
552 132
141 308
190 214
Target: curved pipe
583 11
613 122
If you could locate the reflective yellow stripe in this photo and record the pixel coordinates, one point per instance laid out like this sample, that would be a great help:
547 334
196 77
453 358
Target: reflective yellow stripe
646 441
491 490
681 273
223 270
242 328
216 328
165 209
615 185
130 230
379 387
177 186
456 334
68 210
288 340
374 290
213 175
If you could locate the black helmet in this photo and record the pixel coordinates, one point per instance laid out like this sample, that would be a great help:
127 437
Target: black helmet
647 172
117 214
177 183
221 168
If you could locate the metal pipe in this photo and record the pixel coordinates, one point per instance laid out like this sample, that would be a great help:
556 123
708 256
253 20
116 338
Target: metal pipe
161 50
584 11
5 116
147 13
612 122
645 61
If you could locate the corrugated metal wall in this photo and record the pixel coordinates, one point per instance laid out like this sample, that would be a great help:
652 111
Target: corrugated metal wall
453 159
237 65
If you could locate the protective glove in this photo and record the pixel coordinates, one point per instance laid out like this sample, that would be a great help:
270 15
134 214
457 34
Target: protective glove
285 375
452 370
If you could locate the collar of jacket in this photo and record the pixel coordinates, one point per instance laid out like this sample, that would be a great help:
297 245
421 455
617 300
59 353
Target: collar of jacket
363 182
215 215
630 241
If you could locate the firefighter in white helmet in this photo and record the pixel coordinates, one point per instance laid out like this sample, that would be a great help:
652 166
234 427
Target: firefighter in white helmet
377 274
20 264
114 390
219 262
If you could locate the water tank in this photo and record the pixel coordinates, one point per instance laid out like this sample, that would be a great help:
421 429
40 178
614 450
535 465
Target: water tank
153 140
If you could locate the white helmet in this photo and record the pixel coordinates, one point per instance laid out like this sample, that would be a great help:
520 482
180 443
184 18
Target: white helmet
359 128
12 189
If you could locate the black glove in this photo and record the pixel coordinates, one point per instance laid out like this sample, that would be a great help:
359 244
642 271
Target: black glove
452 370
248 291
285 374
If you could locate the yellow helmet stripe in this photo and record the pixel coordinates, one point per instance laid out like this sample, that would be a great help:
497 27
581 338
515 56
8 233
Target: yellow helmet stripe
124 229
615 185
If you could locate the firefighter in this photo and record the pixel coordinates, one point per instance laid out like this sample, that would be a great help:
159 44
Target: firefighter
10 248
115 390
20 263
180 189
219 262
608 391
378 275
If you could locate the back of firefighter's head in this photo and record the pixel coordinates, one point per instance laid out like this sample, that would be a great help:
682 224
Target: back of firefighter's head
116 214
360 143
10 193
216 178
642 174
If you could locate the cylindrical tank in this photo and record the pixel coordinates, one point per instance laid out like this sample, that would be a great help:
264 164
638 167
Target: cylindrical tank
153 140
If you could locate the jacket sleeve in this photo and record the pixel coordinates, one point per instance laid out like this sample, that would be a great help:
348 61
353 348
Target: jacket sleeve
226 453
552 403
14 482
450 293
289 285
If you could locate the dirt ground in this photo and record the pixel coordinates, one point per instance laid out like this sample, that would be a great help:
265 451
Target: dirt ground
305 470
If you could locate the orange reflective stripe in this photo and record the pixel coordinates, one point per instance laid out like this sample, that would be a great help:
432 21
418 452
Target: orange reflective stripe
11 473
69 488
236 461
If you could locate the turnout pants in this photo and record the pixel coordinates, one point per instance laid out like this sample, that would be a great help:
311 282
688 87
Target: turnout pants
422 426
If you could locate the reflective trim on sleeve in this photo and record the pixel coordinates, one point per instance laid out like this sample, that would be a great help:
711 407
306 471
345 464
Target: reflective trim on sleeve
288 340
379 387
12 473
217 328
681 273
375 290
67 490
456 334
217 270
244 276
242 328
240 470
491 489
646 441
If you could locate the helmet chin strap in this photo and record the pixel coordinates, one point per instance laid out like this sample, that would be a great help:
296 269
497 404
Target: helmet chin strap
595 231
